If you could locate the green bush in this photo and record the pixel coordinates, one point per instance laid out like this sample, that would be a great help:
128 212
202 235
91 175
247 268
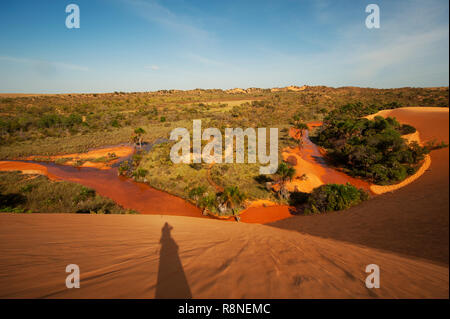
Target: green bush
209 202
407 129
371 149
196 192
332 197
124 167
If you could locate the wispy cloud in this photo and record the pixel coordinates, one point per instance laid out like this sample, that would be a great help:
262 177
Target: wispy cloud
151 67
405 49
44 65
154 12
412 41
204 60
407 35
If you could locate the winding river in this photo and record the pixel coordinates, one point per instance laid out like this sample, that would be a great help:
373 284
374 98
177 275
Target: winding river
148 200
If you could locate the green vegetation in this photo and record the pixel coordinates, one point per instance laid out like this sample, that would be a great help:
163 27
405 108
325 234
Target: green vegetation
226 203
285 173
197 192
30 193
332 197
71 123
232 199
138 136
57 124
371 149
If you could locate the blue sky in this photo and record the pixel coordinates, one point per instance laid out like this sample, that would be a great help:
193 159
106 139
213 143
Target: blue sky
146 45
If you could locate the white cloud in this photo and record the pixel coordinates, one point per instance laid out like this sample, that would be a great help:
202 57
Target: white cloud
403 50
152 67
204 60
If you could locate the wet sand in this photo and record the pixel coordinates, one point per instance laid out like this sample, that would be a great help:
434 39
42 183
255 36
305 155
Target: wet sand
139 256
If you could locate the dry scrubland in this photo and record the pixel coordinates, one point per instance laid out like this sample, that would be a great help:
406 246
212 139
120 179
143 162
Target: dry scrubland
71 123
46 125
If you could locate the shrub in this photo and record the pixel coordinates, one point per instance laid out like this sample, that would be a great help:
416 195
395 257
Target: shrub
140 172
407 129
371 149
124 167
209 202
332 197
298 198
84 194
115 123
196 192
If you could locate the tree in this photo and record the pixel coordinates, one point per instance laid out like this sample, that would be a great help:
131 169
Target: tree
138 136
285 173
331 197
197 192
232 197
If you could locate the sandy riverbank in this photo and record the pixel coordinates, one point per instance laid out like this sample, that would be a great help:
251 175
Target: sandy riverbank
413 220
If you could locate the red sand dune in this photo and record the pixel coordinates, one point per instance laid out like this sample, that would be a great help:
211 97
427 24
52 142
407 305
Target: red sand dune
135 256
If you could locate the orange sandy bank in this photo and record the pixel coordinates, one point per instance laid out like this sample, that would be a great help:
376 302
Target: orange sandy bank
263 211
136 256
429 128
378 189
309 161
413 220
312 170
25 168
118 151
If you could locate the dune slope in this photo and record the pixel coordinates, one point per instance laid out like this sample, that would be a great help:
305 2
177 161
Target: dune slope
139 257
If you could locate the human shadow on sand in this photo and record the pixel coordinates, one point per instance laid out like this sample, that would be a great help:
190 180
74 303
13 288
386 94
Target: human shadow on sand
172 282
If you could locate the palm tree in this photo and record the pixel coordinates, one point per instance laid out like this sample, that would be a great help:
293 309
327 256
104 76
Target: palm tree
232 197
285 173
138 136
